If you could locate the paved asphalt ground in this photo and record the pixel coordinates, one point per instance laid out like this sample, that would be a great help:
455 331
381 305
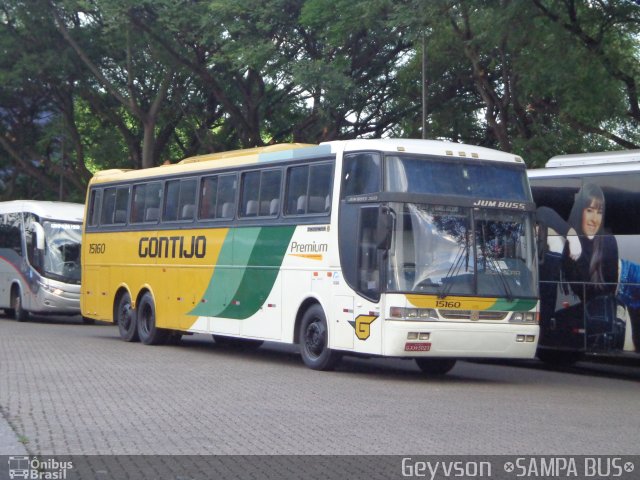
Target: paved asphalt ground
73 389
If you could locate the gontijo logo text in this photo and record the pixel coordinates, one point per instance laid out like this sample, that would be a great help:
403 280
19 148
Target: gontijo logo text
173 247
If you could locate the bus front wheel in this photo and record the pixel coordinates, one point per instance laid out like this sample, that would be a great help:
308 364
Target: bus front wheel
19 313
148 332
435 366
126 319
314 340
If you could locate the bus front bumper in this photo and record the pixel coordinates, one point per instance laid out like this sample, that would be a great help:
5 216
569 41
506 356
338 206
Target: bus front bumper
56 301
460 340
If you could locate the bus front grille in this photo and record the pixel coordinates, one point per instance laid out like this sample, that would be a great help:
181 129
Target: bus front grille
475 315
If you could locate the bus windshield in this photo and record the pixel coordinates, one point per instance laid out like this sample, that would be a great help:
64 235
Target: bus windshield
454 250
62 251
413 174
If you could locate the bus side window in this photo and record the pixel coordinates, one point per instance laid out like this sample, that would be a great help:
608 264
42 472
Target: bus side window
171 194
208 196
10 232
122 200
146 202
250 194
180 198
308 189
320 188
261 193
361 174
94 208
108 206
226 203
296 191
218 197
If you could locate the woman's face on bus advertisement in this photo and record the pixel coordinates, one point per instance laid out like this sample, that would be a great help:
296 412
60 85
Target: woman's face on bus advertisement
592 219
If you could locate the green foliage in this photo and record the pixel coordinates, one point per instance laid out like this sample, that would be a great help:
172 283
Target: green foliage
94 84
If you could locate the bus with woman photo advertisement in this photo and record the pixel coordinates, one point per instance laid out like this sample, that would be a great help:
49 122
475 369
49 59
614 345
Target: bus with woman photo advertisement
399 248
588 206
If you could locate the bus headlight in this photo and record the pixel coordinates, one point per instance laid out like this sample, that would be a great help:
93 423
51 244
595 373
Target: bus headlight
524 317
50 289
414 314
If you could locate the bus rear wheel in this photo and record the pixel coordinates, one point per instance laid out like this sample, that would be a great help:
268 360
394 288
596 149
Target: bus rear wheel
314 340
435 366
148 332
126 319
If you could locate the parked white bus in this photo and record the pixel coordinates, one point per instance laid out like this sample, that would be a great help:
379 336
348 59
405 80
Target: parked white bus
589 214
40 258
399 248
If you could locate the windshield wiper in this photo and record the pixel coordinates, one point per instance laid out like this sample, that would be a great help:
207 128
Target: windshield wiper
455 268
495 266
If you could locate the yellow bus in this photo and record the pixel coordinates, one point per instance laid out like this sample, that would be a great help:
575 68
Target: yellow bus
398 248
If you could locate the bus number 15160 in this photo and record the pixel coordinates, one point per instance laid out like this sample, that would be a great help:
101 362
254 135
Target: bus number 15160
447 304
96 248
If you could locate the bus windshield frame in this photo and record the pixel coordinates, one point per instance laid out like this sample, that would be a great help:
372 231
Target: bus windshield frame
463 251
62 251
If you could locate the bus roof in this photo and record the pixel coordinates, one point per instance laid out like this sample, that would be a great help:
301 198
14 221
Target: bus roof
589 164
596 158
299 151
433 147
71 212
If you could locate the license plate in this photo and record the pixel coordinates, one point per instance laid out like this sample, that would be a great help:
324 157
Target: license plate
417 347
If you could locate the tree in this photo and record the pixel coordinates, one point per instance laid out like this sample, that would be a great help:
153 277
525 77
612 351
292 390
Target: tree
130 71
606 33
538 98
38 135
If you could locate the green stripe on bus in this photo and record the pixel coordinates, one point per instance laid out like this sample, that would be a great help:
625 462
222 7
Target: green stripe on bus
239 291
228 272
518 305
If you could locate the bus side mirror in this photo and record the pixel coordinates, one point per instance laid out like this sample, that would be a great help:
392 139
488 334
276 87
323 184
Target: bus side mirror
384 229
38 232
36 246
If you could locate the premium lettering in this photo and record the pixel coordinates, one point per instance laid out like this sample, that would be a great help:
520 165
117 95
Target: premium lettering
173 247
309 247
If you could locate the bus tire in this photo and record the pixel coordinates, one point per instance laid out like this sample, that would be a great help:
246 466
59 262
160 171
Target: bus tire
148 332
314 338
435 366
126 319
19 313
